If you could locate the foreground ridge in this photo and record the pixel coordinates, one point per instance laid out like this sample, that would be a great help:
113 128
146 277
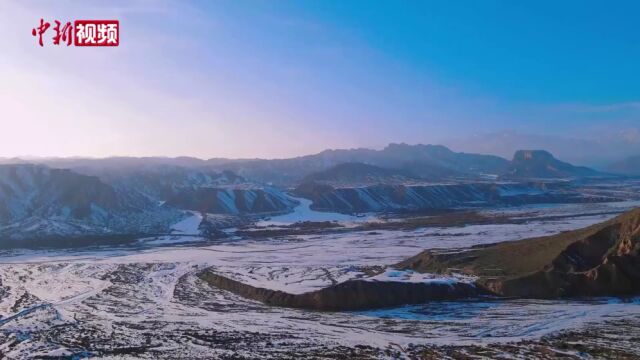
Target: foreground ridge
600 260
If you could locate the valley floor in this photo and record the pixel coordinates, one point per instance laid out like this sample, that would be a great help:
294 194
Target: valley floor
147 301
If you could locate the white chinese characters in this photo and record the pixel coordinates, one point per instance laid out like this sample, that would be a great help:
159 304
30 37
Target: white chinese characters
96 33
85 34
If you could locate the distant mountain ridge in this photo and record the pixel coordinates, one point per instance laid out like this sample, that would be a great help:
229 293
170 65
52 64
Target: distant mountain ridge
360 173
628 166
440 164
542 164
604 148
435 161
427 162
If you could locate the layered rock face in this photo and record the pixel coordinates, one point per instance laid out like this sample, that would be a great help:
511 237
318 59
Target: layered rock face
604 263
384 197
39 202
233 201
601 260
31 190
349 295
40 206
199 189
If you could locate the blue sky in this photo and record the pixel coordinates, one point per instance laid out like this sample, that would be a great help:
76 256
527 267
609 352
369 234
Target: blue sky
548 51
286 78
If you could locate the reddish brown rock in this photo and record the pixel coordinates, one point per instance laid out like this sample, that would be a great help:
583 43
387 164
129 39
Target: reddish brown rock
349 295
601 260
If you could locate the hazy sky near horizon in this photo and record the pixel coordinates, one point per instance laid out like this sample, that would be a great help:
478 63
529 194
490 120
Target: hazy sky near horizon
286 78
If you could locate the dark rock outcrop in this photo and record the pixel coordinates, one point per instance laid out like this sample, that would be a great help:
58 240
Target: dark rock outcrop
537 164
349 295
601 260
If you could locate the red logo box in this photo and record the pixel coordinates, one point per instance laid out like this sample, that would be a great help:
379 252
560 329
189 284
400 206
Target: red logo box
96 33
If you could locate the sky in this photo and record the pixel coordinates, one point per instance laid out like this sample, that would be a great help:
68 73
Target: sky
275 79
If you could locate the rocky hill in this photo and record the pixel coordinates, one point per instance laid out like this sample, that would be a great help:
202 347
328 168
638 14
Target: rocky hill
540 164
201 189
36 201
601 260
233 201
412 197
349 295
39 203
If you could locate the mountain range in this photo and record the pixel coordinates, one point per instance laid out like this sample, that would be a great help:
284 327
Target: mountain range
428 162
434 164
598 149
41 198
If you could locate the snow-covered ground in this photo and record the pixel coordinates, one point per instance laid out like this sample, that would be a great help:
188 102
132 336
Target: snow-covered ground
131 296
188 226
410 276
303 212
465 322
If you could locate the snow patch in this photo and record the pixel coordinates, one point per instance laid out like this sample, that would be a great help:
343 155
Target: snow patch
409 276
303 212
188 226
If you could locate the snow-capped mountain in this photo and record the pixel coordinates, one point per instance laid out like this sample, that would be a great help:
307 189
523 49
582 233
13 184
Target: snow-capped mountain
37 201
